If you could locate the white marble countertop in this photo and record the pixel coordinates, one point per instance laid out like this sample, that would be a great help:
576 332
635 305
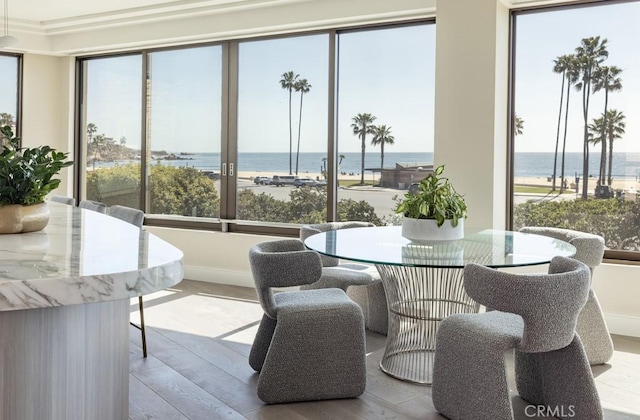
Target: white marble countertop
83 257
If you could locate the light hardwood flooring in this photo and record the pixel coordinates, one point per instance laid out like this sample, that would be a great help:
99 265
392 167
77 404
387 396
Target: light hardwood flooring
199 336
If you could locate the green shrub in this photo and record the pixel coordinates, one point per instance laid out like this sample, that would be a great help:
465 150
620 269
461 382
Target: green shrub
614 219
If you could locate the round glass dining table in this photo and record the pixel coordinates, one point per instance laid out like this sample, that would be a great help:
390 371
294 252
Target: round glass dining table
423 281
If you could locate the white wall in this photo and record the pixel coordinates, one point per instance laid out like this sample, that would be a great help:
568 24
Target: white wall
471 112
47 111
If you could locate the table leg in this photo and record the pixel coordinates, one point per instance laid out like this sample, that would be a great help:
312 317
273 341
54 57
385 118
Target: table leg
418 299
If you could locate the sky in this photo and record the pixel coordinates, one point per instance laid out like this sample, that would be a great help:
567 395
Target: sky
541 38
386 72
395 84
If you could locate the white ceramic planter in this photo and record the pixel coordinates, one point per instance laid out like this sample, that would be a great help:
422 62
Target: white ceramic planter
425 230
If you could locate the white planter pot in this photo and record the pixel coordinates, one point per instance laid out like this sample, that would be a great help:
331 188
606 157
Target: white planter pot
425 230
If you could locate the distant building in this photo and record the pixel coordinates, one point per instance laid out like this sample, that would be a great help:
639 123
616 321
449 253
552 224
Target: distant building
404 174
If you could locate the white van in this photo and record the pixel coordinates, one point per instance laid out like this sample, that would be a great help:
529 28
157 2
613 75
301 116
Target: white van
279 180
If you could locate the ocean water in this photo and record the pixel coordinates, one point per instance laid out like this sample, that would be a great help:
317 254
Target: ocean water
625 165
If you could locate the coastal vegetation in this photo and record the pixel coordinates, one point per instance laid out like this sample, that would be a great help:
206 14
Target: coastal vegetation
362 125
614 219
291 81
584 70
188 191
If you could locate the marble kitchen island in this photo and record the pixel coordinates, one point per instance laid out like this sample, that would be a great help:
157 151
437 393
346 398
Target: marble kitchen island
64 313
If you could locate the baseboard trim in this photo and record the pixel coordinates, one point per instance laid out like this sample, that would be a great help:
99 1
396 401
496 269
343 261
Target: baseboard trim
217 275
623 324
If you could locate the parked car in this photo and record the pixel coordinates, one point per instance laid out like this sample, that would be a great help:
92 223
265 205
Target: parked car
262 180
280 180
211 175
308 182
604 191
304 182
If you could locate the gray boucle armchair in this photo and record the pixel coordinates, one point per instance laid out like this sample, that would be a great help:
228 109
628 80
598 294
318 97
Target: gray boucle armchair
360 281
592 327
535 314
310 344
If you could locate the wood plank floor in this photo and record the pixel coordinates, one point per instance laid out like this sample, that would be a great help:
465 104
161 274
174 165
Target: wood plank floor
199 336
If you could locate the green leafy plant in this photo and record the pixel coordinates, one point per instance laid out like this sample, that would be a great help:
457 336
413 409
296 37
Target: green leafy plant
27 174
434 199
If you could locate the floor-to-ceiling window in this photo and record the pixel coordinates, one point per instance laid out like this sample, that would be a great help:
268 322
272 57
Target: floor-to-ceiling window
576 114
184 131
282 129
111 136
260 132
385 79
9 100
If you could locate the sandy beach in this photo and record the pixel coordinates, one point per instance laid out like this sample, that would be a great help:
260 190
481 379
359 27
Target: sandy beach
628 184
313 175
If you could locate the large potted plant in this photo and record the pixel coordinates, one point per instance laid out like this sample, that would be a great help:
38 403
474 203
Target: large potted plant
433 210
26 177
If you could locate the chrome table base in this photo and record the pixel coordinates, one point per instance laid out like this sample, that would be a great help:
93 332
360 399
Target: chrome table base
418 299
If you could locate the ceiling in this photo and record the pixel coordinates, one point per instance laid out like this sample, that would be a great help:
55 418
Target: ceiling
82 26
47 10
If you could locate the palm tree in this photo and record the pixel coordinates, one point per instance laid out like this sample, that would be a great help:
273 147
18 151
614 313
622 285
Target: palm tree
288 82
91 130
361 125
303 87
572 72
6 119
560 65
518 125
590 54
123 141
98 141
382 135
615 128
606 77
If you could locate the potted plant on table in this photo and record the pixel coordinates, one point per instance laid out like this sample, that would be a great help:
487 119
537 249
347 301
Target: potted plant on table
26 177
433 211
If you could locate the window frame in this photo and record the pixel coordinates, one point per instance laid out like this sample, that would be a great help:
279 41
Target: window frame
229 140
613 256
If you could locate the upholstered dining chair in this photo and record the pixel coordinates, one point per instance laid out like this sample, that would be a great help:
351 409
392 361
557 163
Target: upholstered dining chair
135 217
310 344
93 205
70 201
360 281
535 314
592 327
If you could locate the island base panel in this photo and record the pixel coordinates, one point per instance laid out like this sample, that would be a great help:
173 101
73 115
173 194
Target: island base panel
67 362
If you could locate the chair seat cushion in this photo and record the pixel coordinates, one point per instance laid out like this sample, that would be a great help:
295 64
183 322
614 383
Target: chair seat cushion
495 329
353 274
311 300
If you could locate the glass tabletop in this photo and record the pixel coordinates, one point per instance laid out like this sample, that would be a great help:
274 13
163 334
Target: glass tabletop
488 247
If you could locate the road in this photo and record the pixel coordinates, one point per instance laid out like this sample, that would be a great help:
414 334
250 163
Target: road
382 199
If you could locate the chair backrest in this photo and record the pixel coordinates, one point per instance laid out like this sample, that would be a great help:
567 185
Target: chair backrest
70 201
589 247
308 230
549 303
93 205
282 263
128 214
